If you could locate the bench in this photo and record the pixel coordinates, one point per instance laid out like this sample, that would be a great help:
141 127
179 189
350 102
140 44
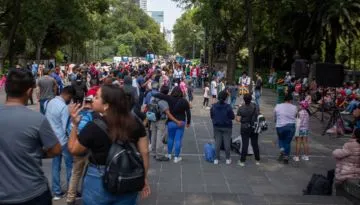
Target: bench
350 189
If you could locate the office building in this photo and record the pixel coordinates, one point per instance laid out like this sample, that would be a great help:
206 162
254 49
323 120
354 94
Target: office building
143 4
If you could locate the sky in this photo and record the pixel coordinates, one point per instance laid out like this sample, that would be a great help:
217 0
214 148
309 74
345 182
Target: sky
171 11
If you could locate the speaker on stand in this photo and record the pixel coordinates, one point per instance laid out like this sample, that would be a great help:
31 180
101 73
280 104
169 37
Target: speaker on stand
330 75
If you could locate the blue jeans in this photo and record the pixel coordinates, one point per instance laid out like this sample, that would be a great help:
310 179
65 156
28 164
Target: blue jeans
285 136
257 98
56 169
352 106
233 101
195 82
93 192
175 135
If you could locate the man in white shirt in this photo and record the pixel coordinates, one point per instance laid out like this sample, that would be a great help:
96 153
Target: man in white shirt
213 90
244 80
178 73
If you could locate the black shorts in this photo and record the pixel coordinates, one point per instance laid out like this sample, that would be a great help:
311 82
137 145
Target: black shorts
214 96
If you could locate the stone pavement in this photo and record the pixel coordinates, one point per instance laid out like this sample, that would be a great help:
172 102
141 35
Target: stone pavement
195 181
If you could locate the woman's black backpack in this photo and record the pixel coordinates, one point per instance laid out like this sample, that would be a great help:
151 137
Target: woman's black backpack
124 172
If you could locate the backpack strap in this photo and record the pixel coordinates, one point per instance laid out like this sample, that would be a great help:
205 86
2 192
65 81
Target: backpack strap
102 125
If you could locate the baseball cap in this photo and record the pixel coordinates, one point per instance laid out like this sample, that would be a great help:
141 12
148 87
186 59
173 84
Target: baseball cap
89 98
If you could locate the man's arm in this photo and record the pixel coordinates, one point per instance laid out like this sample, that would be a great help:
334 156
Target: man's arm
238 115
53 151
172 118
50 143
55 86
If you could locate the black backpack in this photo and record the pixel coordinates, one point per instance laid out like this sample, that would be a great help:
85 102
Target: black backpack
154 113
320 185
124 172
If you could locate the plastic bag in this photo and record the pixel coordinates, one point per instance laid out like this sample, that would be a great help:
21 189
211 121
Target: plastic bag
209 152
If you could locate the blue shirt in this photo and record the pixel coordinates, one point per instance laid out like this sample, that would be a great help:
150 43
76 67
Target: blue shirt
148 96
57 112
58 81
34 68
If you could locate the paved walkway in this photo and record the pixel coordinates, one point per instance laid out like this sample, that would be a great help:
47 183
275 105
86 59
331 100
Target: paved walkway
195 181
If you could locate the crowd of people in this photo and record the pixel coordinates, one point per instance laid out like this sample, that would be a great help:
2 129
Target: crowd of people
292 116
87 109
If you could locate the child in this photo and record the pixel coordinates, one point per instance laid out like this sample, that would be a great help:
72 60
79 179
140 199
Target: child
2 81
206 95
348 159
302 138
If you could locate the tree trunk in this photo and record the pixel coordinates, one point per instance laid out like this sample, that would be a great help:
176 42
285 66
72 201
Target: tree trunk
231 61
250 37
331 43
38 51
14 25
206 48
211 55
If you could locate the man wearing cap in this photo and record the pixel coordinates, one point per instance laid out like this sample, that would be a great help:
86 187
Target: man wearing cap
46 89
79 162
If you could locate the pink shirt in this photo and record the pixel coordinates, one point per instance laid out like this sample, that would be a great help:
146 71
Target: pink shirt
304 120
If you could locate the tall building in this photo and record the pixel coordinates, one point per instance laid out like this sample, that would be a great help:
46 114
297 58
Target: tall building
168 36
143 4
158 17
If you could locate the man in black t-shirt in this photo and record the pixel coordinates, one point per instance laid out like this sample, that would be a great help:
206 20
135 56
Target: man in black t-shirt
247 114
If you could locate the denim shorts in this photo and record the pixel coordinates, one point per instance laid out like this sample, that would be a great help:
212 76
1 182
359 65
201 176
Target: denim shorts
303 133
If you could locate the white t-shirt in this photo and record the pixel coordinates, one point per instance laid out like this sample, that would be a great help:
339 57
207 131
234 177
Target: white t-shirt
285 113
194 73
244 81
178 74
206 92
213 88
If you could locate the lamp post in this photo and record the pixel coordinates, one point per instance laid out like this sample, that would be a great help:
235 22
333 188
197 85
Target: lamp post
193 52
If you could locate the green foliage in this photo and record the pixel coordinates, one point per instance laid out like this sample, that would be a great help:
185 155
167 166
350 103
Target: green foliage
124 50
59 56
128 30
188 34
282 27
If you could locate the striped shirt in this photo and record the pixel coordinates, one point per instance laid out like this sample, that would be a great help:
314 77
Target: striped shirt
57 113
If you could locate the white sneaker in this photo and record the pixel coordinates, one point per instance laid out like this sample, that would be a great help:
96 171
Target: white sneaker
257 163
345 113
296 159
228 161
177 159
57 198
216 161
208 108
169 156
305 158
241 164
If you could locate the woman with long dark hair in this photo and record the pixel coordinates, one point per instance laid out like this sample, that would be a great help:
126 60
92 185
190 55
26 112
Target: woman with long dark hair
122 126
180 109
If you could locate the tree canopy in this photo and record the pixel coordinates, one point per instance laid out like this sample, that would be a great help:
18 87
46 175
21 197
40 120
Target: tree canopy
276 30
82 30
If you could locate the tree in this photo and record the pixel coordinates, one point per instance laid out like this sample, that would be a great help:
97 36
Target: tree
188 34
334 19
124 50
36 20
